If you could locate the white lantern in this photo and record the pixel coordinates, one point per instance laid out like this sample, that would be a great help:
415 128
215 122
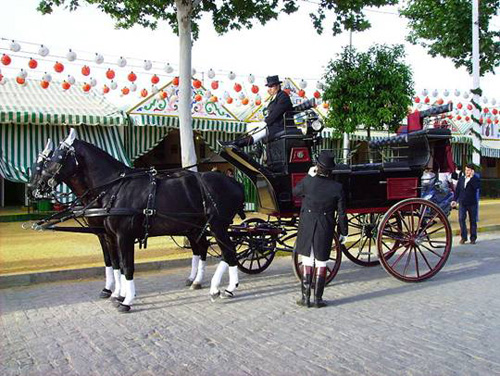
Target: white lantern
23 74
122 62
173 99
435 93
225 95
457 93
47 77
419 106
133 87
43 51
211 73
99 59
258 97
425 92
3 81
71 79
485 100
251 78
93 82
154 89
241 95
71 55
14 46
493 102
466 95
319 85
147 64
113 85
168 68
208 94
446 93
302 84
231 75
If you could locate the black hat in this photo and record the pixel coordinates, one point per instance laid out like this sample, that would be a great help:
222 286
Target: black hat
326 160
273 80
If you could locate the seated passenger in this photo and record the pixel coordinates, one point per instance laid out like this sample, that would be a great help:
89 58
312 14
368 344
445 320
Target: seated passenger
274 121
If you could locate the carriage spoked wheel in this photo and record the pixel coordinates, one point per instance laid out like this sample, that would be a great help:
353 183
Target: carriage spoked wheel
255 252
421 244
332 265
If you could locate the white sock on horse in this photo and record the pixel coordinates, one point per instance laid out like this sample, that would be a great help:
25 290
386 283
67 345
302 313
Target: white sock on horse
109 278
194 267
123 285
117 275
216 279
129 292
201 272
233 278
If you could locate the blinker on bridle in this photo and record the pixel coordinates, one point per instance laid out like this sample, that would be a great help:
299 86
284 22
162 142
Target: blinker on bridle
61 159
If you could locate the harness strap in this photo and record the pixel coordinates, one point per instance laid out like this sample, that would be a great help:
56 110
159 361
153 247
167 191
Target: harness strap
150 210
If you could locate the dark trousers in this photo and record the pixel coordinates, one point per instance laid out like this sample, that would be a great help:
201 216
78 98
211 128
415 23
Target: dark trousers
471 211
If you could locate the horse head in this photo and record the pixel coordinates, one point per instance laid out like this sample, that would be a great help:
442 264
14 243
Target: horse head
36 185
62 164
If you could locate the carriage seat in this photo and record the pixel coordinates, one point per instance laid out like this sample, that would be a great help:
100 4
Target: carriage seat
290 132
366 168
396 166
341 168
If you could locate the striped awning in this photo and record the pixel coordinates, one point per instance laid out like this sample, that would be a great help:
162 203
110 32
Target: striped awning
490 148
208 125
30 104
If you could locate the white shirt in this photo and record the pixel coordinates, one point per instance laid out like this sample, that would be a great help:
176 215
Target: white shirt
466 181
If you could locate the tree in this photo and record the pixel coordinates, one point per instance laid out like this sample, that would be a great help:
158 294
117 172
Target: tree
444 28
372 89
183 17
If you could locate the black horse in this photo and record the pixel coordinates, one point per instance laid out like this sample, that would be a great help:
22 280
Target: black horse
134 204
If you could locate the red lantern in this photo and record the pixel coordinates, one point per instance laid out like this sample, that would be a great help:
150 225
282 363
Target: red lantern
85 70
110 74
459 106
144 93
244 101
416 100
214 85
32 63
132 77
486 110
494 111
459 117
6 60
489 121
427 100
325 105
258 102
317 94
469 107
467 118
58 67
496 121
237 87
229 100
125 90
44 84
255 89
155 79
20 80
287 91
86 87
450 116
105 89
163 94
175 81
66 85
440 101
214 99
196 84
198 97
481 120
302 93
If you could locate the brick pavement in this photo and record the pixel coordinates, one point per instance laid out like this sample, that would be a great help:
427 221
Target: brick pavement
377 325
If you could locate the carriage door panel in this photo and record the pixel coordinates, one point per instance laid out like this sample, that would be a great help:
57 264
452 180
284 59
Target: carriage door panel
296 178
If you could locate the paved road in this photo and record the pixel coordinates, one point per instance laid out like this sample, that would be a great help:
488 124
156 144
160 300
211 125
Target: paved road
376 325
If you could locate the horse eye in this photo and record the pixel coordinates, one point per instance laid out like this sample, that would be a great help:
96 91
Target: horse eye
60 157
38 168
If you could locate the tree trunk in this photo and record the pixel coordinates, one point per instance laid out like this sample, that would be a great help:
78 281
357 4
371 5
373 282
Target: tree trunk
188 151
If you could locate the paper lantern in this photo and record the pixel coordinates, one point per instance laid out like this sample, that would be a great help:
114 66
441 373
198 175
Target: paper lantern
71 79
58 67
251 78
211 73
85 70
303 84
215 85
125 90
325 105
122 62
71 55
162 94
155 79
43 51
459 105
427 100
302 93
175 81
213 99
147 64
208 94
144 93
237 87
317 94
93 82
44 84
486 110
244 101
86 87
457 93
110 74
168 68
258 102
489 121
113 85
485 100
319 86
255 89
440 101
467 118
6 60
154 89
241 95
231 75
14 46
229 100
459 117
99 59
466 95
198 98
416 100
133 87
65 85
446 93
494 111
105 89
425 92
196 84
435 93
23 74
32 63
469 107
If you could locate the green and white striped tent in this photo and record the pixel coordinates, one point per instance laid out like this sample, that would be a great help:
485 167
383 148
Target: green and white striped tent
29 115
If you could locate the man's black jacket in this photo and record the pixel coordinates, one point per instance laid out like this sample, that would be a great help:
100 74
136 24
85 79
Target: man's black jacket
275 111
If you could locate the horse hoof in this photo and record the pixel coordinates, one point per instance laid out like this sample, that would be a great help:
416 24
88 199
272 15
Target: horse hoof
214 297
195 286
123 308
189 282
118 300
227 294
105 294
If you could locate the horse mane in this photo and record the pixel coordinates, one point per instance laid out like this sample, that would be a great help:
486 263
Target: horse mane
101 155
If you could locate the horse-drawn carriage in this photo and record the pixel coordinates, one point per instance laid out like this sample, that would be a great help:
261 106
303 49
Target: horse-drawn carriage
389 222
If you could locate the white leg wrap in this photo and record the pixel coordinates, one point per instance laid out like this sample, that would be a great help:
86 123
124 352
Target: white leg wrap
117 274
201 272
261 133
129 292
216 279
123 285
109 277
194 267
320 264
233 278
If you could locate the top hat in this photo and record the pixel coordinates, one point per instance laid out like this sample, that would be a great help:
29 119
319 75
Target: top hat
273 80
326 160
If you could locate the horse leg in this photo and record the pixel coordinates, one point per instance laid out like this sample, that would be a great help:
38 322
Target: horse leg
126 249
229 261
201 250
117 269
195 260
106 291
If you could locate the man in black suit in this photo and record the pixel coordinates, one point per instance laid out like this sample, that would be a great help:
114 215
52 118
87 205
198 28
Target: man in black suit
466 194
322 197
274 121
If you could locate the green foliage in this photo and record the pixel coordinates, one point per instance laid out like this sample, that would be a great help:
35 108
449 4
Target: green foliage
372 89
444 28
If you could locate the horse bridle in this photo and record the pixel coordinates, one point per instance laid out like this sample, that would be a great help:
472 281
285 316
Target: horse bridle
52 178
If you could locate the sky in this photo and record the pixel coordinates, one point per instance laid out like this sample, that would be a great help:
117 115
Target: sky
288 46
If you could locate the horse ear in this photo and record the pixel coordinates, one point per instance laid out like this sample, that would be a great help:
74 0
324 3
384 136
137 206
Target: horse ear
49 147
71 137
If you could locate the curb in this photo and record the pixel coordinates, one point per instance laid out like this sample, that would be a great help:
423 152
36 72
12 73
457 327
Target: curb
97 272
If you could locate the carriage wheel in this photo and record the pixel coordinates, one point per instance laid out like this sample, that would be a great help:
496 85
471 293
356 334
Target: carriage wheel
421 246
332 265
255 252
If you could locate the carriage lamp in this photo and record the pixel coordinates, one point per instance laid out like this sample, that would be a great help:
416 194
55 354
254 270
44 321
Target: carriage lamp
317 125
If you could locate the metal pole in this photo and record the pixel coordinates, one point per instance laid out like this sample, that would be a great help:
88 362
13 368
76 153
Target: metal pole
476 127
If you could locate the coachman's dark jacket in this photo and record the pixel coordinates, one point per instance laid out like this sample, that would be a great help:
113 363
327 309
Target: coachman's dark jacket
275 111
322 197
467 195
